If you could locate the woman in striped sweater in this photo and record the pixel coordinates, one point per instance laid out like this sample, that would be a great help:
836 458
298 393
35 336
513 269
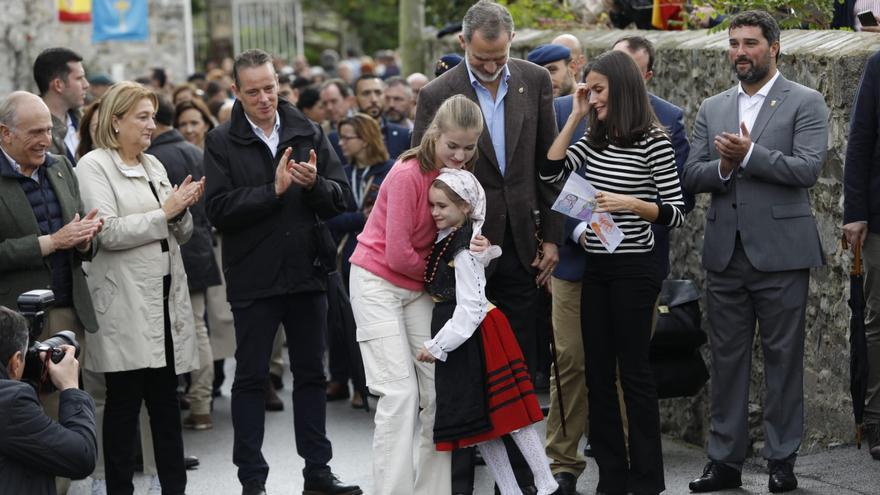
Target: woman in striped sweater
627 156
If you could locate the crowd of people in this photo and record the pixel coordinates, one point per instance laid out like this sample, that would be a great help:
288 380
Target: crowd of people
400 233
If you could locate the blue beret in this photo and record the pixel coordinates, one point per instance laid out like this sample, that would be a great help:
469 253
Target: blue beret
100 80
546 54
446 62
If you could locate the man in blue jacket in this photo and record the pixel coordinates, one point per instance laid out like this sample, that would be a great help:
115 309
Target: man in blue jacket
861 218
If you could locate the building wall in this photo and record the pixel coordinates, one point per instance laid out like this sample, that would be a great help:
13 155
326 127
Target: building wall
30 26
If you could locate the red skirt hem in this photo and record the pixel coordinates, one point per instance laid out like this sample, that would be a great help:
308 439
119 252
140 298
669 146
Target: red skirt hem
511 395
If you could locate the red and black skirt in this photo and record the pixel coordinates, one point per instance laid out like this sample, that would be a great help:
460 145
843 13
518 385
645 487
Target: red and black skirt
483 388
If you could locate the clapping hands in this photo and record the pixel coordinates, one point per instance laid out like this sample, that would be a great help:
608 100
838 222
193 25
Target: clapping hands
188 193
288 172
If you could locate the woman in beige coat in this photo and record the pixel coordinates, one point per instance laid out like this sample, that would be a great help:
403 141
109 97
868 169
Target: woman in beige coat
138 285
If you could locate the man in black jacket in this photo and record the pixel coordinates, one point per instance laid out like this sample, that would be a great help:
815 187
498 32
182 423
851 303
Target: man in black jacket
271 174
33 448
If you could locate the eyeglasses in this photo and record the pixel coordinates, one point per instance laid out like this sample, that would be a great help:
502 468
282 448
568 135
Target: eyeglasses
347 138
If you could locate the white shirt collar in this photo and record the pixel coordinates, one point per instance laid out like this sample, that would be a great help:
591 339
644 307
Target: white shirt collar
259 130
765 89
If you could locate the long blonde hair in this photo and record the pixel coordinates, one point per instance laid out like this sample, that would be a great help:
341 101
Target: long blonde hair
456 113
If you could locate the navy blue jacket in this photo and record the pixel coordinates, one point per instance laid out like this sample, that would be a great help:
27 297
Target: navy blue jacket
33 448
861 177
571 256
352 223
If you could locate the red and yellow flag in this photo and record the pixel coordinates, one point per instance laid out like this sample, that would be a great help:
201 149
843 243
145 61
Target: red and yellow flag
664 10
75 10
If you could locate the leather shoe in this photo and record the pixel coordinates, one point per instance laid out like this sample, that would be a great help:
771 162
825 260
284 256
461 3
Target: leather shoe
337 391
326 483
529 490
273 402
872 433
716 476
782 478
253 488
190 462
567 483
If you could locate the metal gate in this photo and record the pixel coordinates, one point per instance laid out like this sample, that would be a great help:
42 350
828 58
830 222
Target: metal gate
272 25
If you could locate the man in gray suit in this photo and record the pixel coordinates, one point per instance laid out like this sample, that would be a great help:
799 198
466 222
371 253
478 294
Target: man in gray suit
757 148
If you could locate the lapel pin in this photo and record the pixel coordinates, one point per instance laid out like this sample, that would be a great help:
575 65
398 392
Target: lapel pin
521 89
59 175
772 103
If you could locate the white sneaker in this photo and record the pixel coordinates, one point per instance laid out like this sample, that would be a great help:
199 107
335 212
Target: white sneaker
155 486
99 487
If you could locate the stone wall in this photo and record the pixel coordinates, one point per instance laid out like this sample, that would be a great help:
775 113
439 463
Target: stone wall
30 26
691 66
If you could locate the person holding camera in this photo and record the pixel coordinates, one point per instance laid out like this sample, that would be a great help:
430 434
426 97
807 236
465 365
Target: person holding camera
34 449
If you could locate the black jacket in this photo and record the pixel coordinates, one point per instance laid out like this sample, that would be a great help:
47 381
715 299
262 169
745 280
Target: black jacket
33 448
861 178
180 159
269 243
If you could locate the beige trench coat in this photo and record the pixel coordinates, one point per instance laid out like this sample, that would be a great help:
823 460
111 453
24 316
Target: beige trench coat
125 277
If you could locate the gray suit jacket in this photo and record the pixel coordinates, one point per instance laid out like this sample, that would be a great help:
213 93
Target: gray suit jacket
767 201
529 129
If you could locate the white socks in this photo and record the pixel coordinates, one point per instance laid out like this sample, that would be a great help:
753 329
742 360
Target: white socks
529 443
532 449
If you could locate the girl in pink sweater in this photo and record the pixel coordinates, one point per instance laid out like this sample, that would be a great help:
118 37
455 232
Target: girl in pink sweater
392 310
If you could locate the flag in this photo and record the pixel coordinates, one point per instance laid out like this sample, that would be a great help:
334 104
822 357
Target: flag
119 20
664 10
75 10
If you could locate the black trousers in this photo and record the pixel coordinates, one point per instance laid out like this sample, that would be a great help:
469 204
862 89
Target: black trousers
619 292
338 347
304 317
157 388
512 288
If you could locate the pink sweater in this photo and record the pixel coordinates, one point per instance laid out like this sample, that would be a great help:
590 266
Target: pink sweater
400 232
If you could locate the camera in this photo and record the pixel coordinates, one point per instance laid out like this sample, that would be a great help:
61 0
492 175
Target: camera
33 305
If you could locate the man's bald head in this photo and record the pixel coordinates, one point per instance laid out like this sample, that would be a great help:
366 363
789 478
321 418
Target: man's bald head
578 60
21 103
25 129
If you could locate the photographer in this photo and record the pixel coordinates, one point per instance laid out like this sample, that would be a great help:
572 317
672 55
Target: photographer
33 448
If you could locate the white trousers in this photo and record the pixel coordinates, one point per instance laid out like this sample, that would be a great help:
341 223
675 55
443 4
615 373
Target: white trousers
393 324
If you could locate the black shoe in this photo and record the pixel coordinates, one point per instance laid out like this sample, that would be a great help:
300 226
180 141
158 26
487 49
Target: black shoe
588 449
190 462
782 478
529 490
716 476
253 488
872 434
567 483
542 382
276 380
273 402
337 391
326 483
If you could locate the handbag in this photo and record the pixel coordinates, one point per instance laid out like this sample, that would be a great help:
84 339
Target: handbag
678 331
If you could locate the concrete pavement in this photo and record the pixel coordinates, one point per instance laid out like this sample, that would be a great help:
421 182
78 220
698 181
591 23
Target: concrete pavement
840 471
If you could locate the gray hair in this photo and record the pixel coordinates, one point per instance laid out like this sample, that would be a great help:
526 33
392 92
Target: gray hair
399 81
248 59
488 17
13 334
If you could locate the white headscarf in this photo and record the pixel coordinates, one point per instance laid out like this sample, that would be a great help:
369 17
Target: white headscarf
466 185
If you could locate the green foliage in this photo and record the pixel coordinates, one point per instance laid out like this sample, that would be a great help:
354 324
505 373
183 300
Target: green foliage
539 14
375 21
790 14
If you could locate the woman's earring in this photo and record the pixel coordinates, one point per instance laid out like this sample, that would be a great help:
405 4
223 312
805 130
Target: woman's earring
116 131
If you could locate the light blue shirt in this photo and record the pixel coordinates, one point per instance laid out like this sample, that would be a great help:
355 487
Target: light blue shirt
34 175
493 112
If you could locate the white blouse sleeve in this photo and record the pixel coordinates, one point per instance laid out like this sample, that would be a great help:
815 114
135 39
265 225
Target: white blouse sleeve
470 308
